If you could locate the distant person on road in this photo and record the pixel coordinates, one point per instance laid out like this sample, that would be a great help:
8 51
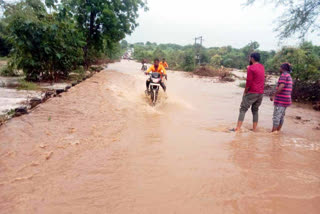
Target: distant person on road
282 96
164 63
156 67
144 66
253 93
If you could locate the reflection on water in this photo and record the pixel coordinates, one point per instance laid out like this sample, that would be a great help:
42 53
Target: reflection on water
105 149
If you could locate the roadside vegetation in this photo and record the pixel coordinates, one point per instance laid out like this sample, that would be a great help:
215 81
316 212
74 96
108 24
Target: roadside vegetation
3 61
49 39
25 85
183 57
6 71
242 84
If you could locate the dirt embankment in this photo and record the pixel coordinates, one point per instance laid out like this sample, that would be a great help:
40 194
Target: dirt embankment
224 74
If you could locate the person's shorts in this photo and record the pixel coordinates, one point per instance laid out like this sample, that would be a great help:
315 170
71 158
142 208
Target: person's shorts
278 115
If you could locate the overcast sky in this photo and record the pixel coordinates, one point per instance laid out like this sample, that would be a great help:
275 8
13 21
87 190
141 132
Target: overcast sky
220 22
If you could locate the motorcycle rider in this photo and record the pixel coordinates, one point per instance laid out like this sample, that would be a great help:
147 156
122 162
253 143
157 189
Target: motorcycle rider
158 68
164 63
143 62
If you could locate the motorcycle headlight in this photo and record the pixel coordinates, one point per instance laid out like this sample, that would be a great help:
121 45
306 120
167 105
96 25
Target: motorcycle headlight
156 80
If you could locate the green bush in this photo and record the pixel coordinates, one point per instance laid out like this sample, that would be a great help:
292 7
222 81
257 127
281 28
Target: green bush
44 47
188 63
242 84
216 60
6 71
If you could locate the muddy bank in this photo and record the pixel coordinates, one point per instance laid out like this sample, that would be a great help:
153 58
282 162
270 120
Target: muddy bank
114 153
222 74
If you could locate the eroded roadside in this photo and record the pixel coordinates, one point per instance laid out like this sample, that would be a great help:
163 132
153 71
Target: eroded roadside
19 97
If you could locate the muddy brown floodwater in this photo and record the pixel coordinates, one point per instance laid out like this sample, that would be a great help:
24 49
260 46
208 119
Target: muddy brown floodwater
101 148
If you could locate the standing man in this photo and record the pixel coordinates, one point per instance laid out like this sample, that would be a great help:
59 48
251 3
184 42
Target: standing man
253 93
282 97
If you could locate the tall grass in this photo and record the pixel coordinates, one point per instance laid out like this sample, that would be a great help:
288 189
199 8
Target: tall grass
25 85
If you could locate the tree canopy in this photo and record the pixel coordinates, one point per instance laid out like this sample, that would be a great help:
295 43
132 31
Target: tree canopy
102 22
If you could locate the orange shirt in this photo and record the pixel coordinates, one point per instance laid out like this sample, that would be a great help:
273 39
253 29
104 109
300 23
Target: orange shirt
160 70
164 64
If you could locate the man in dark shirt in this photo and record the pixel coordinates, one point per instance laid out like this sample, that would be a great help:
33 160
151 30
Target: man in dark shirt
253 93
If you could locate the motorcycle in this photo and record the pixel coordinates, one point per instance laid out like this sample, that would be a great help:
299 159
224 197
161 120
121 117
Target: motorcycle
153 90
144 68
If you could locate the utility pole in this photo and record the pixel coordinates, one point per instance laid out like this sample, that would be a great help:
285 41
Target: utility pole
197 47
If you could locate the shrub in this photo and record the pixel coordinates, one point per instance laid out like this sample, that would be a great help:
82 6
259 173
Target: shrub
44 46
25 85
242 84
6 71
188 61
216 60
306 92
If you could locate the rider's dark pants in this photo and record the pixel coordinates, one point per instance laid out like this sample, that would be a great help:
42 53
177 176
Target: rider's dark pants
161 83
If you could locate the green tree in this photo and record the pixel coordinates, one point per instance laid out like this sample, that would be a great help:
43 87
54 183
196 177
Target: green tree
235 59
250 48
5 45
102 20
305 64
216 60
158 53
124 44
44 46
266 56
114 51
188 61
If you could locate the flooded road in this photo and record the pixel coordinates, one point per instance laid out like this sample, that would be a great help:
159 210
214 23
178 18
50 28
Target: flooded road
101 148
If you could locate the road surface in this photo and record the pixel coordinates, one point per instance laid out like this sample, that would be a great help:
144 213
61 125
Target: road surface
101 148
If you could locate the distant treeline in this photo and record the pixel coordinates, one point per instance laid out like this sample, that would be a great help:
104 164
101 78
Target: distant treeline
305 60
